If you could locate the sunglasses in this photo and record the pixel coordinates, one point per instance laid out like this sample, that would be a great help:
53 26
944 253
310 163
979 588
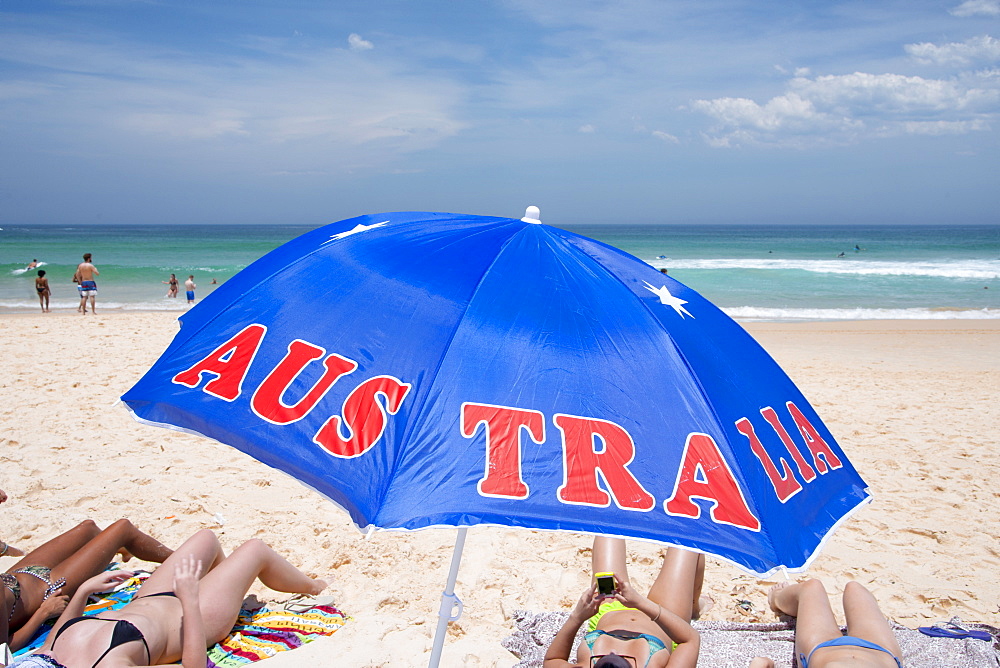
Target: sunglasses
631 659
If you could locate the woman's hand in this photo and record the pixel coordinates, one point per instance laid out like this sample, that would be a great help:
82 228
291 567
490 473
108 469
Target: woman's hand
588 604
627 595
186 577
53 605
104 581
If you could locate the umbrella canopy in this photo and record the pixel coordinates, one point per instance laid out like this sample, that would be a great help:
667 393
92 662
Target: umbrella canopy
433 369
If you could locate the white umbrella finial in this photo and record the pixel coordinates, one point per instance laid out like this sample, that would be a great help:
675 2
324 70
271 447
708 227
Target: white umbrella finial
532 215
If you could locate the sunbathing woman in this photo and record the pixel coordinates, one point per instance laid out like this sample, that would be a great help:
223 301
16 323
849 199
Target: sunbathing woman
628 629
38 586
870 642
190 603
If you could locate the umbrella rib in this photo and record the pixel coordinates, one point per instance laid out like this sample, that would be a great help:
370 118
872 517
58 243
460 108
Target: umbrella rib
417 408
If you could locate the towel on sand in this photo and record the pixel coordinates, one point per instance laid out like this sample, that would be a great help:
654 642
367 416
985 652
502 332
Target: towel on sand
258 634
265 632
732 645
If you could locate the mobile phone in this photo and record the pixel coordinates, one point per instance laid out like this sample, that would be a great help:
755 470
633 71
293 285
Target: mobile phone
605 583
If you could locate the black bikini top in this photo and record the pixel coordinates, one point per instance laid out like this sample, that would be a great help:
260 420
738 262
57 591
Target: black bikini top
124 632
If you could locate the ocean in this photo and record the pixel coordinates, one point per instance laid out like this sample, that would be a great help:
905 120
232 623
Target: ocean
753 272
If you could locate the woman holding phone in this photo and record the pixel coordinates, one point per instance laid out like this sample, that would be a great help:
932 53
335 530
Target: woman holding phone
626 629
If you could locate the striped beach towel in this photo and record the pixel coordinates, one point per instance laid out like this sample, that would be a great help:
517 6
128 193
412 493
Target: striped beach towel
265 632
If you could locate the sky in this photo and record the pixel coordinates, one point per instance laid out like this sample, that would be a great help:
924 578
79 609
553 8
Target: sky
630 111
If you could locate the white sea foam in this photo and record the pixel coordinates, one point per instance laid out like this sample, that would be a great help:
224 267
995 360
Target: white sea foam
959 269
761 313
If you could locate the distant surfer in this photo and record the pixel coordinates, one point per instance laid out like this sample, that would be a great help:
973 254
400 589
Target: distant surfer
841 254
85 273
32 264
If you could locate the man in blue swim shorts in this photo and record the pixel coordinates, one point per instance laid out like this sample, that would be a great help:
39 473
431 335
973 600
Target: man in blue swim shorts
85 273
869 643
189 286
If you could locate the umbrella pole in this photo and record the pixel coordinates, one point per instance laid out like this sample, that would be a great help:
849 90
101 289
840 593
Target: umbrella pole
451 606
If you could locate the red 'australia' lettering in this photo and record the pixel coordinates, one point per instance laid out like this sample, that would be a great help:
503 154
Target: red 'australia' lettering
503 426
784 482
228 363
705 474
267 399
364 417
805 470
582 464
817 446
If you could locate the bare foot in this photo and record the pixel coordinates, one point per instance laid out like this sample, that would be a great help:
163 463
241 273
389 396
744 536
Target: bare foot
761 662
319 586
771 595
705 603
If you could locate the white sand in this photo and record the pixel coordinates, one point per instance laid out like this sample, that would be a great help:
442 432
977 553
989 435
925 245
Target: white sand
914 405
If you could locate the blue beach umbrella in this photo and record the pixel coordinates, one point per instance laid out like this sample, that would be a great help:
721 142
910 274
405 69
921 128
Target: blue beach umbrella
433 369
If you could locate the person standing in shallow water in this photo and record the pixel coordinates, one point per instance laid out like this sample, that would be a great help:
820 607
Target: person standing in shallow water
42 288
85 273
172 285
190 286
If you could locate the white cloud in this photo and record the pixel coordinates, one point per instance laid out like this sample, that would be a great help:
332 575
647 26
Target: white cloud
846 108
977 8
665 136
981 48
357 43
587 129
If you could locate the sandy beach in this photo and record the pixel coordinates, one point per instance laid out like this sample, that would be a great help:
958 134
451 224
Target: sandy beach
913 404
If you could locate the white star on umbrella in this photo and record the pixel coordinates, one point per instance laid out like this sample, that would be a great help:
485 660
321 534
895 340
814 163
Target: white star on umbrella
358 229
676 303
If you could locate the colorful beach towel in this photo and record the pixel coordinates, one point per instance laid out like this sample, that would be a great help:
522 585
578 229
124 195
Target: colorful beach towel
258 634
732 645
263 633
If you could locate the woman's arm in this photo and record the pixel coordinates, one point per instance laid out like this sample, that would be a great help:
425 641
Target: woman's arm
193 644
557 656
50 607
74 608
685 655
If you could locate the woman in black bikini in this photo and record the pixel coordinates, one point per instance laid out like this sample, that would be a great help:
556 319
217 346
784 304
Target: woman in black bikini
189 604
38 586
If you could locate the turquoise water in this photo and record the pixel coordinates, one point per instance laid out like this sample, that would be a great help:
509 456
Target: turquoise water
752 272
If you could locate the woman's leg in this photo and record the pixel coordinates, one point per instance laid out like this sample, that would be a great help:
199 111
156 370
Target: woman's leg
223 589
865 619
60 548
204 546
808 602
608 556
94 556
678 585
